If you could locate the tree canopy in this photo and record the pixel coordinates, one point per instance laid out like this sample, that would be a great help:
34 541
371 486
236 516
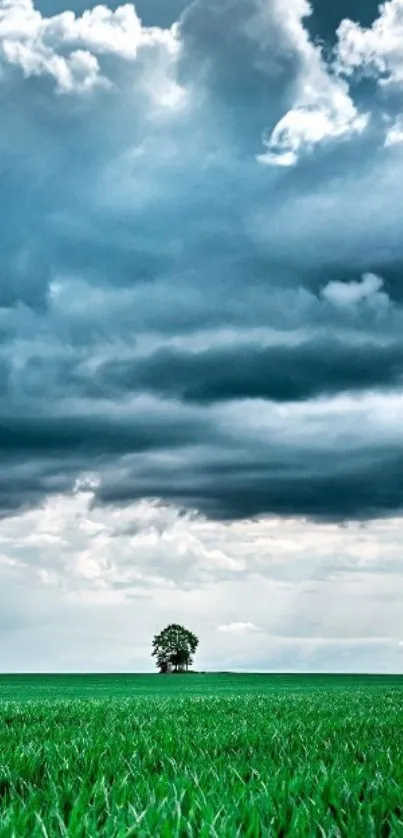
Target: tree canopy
174 648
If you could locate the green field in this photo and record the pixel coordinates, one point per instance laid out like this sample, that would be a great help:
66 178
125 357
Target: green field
201 755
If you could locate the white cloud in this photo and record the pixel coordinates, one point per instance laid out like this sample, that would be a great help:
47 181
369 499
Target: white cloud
376 50
77 51
238 628
304 127
368 291
103 47
394 135
147 544
323 108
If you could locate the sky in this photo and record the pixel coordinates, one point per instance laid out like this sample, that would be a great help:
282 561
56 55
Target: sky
201 319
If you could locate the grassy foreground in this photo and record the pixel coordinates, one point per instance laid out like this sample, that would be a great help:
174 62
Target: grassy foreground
200 756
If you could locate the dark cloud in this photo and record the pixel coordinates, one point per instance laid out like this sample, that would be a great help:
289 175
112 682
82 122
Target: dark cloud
245 58
315 481
278 373
97 435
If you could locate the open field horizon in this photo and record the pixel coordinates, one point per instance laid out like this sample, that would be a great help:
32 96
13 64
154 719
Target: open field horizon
39 686
201 756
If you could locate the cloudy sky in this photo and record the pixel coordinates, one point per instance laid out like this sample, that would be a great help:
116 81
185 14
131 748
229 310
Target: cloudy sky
201 333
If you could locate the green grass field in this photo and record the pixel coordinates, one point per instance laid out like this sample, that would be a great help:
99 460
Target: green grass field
201 755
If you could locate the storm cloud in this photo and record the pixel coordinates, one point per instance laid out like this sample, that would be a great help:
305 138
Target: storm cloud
194 209
287 373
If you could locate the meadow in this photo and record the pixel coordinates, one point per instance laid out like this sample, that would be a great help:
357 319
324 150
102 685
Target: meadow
201 755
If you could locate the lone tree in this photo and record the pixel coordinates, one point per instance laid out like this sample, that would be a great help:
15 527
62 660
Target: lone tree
174 648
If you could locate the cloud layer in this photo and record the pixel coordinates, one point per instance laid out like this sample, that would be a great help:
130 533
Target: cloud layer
158 280
274 594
